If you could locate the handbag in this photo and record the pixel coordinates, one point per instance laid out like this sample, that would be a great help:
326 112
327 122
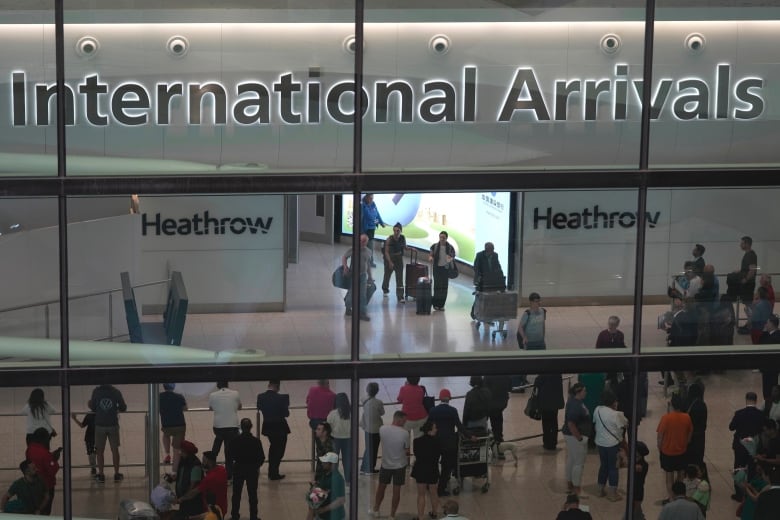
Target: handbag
452 270
340 279
532 406
428 400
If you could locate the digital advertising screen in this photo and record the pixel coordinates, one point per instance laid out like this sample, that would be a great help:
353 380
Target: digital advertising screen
470 219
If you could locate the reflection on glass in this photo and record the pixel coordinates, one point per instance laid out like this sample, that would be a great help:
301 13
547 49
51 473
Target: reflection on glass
205 279
708 271
29 304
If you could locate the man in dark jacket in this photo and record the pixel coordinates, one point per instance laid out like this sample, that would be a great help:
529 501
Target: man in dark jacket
248 456
275 408
499 387
747 422
448 426
550 400
476 407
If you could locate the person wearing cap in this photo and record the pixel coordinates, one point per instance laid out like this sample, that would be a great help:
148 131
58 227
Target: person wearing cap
188 477
248 455
215 482
571 509
172 423
577 427
448 425
332 508
275 408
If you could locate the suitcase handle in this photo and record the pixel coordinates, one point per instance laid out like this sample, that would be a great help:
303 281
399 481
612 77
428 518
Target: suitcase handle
413 256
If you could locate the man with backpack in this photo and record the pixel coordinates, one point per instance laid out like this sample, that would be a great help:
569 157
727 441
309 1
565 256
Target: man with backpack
530 334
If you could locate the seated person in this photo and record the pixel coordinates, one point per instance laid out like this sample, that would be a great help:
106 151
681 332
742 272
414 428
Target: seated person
26 495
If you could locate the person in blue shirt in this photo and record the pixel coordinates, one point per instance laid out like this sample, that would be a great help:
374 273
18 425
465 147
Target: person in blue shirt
369 220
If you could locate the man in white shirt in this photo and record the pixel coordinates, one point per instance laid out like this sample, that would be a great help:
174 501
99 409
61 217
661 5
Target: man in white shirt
395 457
225 403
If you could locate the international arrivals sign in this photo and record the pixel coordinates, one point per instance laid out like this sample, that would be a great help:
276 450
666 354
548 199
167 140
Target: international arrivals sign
305 99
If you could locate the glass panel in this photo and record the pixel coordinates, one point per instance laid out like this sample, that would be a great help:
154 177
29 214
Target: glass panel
714 72
502 87
573 248
290 455
707 267
204 89
28 139
209 279
29 304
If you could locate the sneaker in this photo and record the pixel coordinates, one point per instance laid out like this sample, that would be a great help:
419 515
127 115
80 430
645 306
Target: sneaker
401 300
364 317
100 478
167 459
118 477
385 293
373 513
348 312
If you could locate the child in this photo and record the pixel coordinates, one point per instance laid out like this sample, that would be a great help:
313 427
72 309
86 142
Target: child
640 474
89 438
696 487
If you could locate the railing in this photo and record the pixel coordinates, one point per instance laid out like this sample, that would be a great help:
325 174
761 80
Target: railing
110 293
258 422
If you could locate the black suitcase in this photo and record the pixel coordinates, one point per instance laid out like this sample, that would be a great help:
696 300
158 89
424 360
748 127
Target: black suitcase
414 271
424 296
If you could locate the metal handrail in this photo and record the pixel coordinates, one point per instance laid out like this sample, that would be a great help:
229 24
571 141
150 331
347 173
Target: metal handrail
109 292
80 296
257 425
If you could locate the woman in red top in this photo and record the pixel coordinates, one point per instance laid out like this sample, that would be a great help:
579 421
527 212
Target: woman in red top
45 461
411 398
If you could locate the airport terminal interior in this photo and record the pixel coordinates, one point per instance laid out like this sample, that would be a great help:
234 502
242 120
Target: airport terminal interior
180 182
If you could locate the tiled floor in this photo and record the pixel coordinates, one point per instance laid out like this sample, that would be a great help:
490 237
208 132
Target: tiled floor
315 325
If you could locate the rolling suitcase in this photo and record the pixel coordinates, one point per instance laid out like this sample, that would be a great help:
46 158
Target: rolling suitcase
414 271
424 297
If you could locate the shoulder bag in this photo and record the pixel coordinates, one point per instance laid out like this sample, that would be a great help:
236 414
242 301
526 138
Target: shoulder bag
532 406
340 279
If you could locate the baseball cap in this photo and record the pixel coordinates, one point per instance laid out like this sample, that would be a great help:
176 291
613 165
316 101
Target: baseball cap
445 394
188 447
330 457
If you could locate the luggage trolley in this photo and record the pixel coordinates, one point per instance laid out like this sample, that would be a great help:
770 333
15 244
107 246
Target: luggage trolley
474 454
494 309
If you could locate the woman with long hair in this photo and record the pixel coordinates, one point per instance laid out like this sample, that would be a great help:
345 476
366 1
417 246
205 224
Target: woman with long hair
340 422
38 412
426 468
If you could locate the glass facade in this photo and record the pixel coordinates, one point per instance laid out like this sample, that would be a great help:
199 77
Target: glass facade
180 182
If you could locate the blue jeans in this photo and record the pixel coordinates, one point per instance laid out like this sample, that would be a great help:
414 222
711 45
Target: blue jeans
362 296
370 453
608 470
342 448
